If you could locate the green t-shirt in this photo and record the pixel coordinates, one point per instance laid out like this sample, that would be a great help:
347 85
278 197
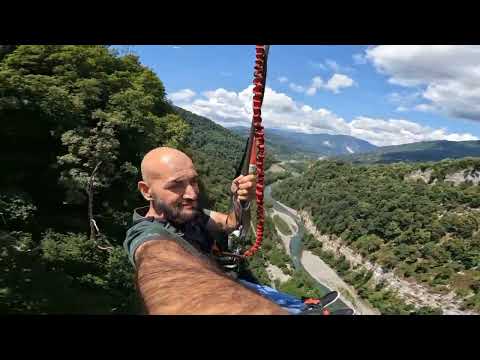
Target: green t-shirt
193 236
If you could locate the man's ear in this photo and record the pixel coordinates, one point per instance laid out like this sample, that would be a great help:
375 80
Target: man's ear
145 190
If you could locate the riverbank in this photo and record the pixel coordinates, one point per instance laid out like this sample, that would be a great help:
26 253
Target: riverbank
410 292
320 271
317 268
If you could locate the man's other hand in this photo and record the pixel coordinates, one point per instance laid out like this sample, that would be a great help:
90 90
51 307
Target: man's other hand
244 187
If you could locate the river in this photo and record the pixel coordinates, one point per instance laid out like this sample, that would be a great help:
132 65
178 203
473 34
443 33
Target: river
296 245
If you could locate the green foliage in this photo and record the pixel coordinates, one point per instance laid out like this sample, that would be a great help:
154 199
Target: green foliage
424 231
367 244
426 310
66 110
66 274
473 302
271 177
16 208
282 225
300 285
82 106
68 250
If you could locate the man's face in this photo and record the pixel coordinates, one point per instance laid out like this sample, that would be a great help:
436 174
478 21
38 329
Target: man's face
176 195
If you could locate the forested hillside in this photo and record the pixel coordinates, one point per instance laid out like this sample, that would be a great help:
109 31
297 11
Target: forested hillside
66 111
422 221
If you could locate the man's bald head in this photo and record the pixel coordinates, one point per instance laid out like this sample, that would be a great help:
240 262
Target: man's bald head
163 162
170 185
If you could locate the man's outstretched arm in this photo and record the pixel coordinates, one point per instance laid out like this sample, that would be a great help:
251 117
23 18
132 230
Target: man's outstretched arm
172 281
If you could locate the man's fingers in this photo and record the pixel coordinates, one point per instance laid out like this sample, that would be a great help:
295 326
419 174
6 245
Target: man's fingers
246 178
246 185
238 179
234 188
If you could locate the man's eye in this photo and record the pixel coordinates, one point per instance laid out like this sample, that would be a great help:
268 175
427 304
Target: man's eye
175 185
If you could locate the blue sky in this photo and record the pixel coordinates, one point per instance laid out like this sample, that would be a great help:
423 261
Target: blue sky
383 94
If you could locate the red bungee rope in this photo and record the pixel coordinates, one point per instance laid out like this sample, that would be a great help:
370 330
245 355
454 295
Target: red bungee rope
257 155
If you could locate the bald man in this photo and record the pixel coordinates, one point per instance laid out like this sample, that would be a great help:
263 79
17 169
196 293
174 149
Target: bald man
170 243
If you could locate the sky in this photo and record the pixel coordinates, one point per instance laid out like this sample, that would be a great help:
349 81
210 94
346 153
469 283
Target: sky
384 94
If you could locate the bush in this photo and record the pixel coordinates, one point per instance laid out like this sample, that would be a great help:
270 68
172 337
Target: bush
74 253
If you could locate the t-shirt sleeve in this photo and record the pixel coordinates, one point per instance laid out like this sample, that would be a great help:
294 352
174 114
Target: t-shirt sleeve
206 213
141 233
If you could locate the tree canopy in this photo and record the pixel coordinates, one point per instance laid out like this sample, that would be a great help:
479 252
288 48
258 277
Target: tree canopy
76 122
425 230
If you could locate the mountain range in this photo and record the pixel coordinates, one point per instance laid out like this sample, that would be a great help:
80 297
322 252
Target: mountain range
290 145
418 152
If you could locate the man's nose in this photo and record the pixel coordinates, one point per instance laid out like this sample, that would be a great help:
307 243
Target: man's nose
191 193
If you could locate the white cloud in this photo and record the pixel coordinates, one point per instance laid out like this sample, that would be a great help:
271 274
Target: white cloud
230 108
425 107
448 75
317 82
283 79
336 67
460 137
279 111
182 95
404 98
297 88
176 47
395 132
404 101
338 81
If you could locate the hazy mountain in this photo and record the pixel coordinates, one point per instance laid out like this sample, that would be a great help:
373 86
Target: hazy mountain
289 144
421 151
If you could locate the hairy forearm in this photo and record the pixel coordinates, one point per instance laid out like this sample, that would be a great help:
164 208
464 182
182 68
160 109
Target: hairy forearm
233 221
187 285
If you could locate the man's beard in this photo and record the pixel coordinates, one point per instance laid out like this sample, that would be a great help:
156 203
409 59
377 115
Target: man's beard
176 214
